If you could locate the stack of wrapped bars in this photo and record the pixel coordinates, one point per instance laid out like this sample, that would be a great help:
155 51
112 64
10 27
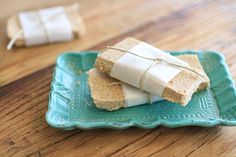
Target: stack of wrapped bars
120 79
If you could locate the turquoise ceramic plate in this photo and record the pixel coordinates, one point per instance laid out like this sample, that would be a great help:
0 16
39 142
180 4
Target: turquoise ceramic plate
71 106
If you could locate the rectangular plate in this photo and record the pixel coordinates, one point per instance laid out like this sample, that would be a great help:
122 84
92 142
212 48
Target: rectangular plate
71 106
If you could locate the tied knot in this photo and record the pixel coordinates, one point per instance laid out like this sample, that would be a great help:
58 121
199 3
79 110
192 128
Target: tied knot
157 60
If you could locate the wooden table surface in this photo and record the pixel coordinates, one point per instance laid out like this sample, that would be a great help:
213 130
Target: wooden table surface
25 76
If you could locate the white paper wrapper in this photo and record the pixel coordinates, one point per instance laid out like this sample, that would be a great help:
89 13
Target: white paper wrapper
131 68
45 26
134 96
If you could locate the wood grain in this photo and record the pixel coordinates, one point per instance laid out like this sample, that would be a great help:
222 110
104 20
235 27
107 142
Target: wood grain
25 76
101 26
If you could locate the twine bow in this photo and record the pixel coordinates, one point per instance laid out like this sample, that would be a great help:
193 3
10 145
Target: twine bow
155 61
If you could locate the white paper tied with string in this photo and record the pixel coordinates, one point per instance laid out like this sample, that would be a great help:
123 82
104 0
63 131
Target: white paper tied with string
131 68
134 96
45 26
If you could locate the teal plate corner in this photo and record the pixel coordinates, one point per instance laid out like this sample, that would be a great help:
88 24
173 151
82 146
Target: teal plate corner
70 104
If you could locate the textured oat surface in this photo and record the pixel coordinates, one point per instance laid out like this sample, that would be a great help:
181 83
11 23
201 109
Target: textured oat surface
112 97
179 89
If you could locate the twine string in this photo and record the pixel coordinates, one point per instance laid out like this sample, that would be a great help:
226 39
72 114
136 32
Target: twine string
155 61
